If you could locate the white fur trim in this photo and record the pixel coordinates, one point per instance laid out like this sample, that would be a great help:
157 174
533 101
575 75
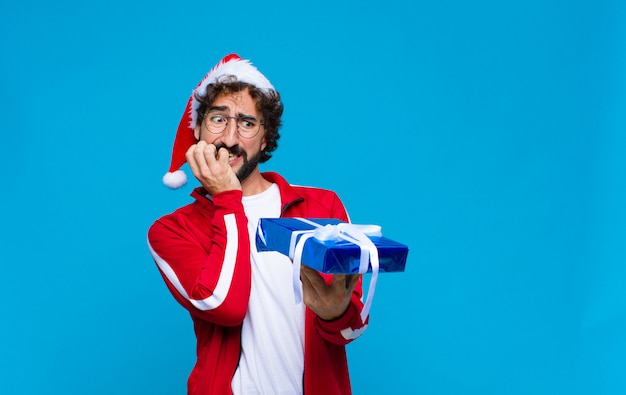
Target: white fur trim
240 68
175 179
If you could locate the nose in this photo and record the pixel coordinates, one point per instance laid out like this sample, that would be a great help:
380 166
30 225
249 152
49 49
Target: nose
230 135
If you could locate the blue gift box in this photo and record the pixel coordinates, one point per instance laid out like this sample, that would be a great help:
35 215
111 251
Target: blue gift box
330 256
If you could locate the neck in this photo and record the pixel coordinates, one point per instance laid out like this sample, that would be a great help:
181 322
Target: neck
254 184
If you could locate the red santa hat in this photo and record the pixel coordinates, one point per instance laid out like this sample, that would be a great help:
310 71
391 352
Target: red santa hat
230 65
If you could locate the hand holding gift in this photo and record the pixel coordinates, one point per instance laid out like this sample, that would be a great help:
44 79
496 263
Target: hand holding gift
328 301
334 247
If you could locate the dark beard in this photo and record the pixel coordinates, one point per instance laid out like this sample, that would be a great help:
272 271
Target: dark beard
248 165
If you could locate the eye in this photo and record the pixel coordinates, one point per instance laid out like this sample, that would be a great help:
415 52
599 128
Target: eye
248 123
217 119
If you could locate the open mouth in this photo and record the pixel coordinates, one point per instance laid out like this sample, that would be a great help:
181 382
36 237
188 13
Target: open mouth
233 152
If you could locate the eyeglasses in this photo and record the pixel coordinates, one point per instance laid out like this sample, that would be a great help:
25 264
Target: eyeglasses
247 126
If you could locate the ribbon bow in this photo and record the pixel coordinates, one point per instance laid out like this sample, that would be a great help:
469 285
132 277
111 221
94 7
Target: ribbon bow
356 234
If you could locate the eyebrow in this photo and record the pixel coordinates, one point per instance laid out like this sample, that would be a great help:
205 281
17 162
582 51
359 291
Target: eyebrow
225 108
218 108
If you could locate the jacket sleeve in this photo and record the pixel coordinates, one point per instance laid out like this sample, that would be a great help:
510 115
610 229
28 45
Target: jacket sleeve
211 281
349 326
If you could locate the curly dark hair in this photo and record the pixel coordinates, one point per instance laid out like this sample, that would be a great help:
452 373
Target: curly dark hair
267 103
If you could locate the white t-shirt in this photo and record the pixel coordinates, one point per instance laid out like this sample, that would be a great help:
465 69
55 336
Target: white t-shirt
272 338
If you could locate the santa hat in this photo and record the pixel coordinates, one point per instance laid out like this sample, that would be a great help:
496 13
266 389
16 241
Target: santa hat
230 65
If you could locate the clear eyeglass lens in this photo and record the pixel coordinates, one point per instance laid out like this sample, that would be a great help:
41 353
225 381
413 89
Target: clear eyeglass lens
247 124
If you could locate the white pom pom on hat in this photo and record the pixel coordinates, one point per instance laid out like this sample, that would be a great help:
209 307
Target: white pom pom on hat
230 65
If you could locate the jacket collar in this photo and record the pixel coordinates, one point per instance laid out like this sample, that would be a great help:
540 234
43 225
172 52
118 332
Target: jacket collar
288 194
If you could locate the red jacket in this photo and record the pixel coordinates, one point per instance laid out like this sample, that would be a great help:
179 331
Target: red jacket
203 253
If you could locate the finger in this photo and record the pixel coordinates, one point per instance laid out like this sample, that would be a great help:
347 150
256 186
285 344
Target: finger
306 283
191 160
222 156
354 279
201 160
310 294
217 160
312 278
339 281
312 275
212 157
209 154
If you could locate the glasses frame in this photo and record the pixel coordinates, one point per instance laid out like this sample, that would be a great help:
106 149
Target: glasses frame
238 118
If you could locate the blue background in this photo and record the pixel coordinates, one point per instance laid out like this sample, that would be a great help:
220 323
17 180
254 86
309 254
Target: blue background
486 135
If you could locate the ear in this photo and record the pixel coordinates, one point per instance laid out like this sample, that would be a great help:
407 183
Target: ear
196 132
263 143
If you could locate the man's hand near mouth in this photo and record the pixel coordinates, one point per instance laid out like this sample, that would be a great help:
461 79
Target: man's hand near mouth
212 168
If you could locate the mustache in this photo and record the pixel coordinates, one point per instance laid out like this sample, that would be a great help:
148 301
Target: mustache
235 149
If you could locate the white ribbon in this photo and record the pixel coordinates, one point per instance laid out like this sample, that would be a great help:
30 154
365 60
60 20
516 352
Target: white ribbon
356 234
